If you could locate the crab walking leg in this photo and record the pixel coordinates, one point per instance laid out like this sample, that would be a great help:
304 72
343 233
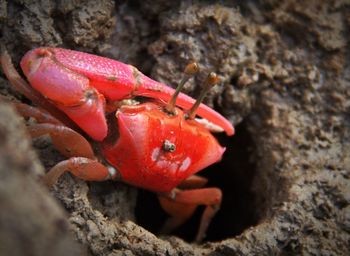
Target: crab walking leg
67 141
182 205
81 167
192 182
40 115
179 214
180 211
208 214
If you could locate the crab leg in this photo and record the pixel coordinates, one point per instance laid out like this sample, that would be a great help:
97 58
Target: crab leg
67 141
113 79
28 111
180 212
82 161
81 167
193 181
40 115
181 204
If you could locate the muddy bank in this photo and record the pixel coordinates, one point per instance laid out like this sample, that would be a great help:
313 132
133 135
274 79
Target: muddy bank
285 85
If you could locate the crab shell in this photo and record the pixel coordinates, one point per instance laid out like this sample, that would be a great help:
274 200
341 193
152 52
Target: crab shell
157 151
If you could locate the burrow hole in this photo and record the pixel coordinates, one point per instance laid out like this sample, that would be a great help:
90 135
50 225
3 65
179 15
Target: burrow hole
234 175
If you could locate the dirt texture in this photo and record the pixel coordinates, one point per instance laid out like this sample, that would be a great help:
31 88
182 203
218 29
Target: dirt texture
285 74
24 202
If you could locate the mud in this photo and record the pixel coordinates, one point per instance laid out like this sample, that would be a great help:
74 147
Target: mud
25 203
285 74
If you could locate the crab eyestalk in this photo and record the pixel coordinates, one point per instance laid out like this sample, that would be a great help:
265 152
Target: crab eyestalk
190 70
211 80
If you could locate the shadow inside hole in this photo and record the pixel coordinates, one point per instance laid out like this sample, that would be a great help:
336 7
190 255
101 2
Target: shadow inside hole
234 175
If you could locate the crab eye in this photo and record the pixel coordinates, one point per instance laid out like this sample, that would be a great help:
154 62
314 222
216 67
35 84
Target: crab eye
169 146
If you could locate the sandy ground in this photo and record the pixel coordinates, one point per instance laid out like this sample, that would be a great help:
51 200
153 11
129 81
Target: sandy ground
285 86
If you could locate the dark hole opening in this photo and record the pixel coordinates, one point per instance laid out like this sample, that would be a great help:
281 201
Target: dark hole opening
234 175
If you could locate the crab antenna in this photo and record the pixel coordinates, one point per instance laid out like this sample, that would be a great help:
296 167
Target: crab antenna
190 70
211 80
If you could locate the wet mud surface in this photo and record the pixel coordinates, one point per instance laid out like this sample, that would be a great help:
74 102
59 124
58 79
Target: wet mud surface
285 74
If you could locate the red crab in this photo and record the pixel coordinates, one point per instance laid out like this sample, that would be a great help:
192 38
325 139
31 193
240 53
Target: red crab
153 145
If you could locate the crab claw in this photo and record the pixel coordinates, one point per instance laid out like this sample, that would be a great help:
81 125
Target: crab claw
117 81
67 90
